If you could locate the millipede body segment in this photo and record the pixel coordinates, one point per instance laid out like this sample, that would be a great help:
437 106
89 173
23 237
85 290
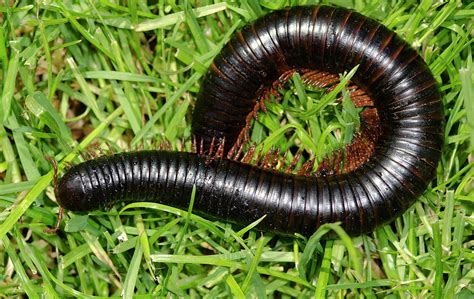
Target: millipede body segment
320 38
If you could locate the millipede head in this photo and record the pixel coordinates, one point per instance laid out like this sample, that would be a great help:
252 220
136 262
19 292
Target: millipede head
71 194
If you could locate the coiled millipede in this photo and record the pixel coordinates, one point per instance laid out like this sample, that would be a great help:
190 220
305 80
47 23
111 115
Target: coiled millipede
405 128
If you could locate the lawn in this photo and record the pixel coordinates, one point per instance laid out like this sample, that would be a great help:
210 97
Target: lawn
80 78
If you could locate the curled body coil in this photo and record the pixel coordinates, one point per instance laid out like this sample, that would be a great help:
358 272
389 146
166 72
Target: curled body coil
322 38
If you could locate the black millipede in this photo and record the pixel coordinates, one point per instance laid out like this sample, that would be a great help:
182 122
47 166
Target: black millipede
384 172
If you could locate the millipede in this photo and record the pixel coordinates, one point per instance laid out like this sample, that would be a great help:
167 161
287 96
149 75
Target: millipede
384 170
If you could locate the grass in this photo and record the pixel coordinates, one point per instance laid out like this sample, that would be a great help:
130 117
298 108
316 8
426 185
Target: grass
126 73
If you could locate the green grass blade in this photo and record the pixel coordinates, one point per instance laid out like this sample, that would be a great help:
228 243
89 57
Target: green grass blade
174 18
